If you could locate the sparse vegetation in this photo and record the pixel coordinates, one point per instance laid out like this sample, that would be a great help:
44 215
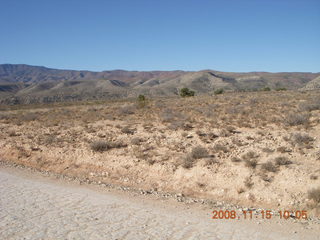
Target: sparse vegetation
314 194
282 161
269 167
186 92
295 119
218 141
218 91
199 152
251 163
99 146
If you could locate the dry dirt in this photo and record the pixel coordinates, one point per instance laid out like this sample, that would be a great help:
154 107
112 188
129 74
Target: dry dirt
257 149
34 207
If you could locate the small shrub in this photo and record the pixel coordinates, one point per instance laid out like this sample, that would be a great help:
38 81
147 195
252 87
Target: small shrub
267 150
126 110
127 130
188 162
269 167
251 163
281 89
142 101
248 182
283 149
99 146
136 141
220 148
186 92
266 89
141 98
218 91
249 155
199 152
301 139
281 161
314 194
235 159
311 106
313 177
28 117
297 119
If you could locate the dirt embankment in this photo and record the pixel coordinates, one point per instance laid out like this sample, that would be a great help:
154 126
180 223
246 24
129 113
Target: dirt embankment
250 149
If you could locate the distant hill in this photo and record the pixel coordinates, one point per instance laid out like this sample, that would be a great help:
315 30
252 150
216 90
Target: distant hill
21 83
313 84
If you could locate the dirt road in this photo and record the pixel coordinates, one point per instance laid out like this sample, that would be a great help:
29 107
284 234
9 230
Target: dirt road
40 208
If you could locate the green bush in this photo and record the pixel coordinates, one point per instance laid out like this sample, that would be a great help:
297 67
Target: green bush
141 98
281 89
142 101
266 89
186 92
218 91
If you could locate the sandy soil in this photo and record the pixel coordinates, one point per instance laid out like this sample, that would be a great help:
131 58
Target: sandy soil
34 207
255 149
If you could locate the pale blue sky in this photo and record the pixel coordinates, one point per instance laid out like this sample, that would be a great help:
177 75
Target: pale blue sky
229 35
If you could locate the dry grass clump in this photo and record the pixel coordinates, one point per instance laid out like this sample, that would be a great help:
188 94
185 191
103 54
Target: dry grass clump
220 148
136 141
127 110
310 106
267 150
283 149
314 194
28 117
282 161
249 155
301 139
250 159
101 146
313 177
199 152
127 130
269 167
236 159
251 163
188 162
295 119
248 182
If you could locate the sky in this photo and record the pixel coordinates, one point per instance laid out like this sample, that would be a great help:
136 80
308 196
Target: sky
224 35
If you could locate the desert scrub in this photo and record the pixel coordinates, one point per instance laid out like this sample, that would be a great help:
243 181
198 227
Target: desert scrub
249 155
136 141
199 152
220 148
196 153
295 119
301 139
310 106
282 161
188 162
314 194
186 92
101 146
235 159
269 167
127 130
251 163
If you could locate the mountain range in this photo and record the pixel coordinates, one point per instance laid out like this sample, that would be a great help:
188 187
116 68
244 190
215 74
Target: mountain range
20 83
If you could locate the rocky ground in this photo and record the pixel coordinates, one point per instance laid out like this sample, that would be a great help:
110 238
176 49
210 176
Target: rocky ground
256 150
